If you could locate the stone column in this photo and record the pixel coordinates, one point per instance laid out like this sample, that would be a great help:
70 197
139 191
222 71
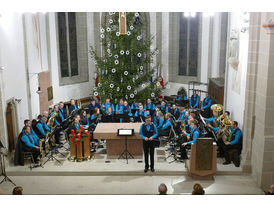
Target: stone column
258 130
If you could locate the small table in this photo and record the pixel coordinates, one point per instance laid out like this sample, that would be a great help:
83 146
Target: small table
116 144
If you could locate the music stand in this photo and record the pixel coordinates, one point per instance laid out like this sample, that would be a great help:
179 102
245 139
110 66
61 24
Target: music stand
125 133
119 116
3 153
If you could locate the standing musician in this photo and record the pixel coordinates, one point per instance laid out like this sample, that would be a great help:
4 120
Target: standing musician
62 111
159 119
164 107
41 128
148 133
107 104
30 143
140 114
72 106
175 111
194 100
92 106
84 119
150 107
190 138
205 107
165 130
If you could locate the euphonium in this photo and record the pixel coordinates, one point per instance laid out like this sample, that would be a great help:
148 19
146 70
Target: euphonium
42 155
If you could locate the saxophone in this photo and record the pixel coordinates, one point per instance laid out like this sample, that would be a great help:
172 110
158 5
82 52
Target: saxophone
52 124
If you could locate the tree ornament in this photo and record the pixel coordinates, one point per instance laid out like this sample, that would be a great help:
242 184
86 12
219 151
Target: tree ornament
95 62
128 87
110 13
141 72
126 96
141 68
139 54
128 33
110 55
108 29
111 86
102 30
122 52
99 84
118 89
94 88
135 91
108 50
117 33
102 36
136 14
158 84
116 56
143 85
116 62
131 96
110 21
133 79
113 70
139 38
127 52
126 73
95 94
152 95
131 28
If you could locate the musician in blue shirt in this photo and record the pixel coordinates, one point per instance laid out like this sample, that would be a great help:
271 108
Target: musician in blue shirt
175 111
140 114
150 107
30 144
180 97
235 142
92 106
72 106
42 128
205 106
127 111
159 119
96 115
84 119
194 100
164 131
148 133
135 105
164 107
27 122
182 114
190 138
107 104
62 111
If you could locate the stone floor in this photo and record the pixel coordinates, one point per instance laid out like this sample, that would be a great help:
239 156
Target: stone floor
108 175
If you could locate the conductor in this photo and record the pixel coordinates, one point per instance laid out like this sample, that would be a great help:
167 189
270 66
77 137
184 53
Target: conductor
148 132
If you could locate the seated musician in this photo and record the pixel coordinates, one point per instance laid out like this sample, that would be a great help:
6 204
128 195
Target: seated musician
107 104
72 106
46 114
76 123
194 100
205 107
135 105
109 115
120 109
164 107
127 111
96 116
30 143
159 119
190 138
28 123
175 111
150 107
84 119
211 119
140 114
180 97
92 106
56 121
41 128
234 142
62 111
164 131
182 113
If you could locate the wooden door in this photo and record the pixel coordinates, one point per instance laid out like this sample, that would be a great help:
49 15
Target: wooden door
10 127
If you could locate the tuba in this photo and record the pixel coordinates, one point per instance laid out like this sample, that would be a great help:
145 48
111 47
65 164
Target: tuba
224 131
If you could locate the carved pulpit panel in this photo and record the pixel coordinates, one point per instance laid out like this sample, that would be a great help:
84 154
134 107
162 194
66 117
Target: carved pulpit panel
123 23
204 154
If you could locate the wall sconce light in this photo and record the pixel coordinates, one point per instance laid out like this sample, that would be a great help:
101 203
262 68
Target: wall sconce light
39 91
18 100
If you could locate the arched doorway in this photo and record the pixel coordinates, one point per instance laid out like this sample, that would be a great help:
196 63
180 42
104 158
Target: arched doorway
10 126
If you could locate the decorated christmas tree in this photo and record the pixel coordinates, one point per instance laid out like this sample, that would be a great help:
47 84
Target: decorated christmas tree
125 68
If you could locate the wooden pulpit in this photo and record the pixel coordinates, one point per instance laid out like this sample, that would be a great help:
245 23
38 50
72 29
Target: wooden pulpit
203 159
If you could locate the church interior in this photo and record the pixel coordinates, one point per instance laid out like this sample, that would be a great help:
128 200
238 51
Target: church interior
196 84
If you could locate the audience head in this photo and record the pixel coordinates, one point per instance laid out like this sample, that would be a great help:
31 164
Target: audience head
271 190
235 125
148 119
18 190
121 101
61 105
198 190
45 113
27 122
148 101
162 189
72 102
